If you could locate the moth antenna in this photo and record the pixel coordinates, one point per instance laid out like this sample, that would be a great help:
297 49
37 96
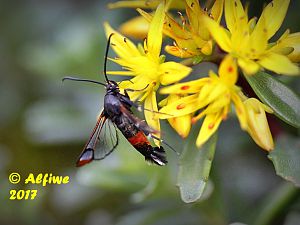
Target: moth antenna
83 80
106 55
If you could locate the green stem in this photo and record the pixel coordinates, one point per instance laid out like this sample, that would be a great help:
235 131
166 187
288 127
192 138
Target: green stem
216 57
276 202
187 62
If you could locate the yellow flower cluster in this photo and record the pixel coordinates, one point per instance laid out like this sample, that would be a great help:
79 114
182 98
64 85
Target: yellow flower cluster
241 46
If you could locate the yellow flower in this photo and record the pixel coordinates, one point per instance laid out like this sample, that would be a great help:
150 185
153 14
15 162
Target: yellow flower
213 95
289 44
146 4
192 38
181 124
146 65
136 27
247 40
257 124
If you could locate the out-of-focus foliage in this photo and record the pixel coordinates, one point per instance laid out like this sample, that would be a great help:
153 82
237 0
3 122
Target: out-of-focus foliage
44 124
194 168
286 159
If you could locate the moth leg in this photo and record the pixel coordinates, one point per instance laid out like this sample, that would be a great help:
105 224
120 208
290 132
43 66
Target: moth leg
133 90
140 107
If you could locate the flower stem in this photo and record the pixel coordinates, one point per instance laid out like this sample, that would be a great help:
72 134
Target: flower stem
187 62
276 202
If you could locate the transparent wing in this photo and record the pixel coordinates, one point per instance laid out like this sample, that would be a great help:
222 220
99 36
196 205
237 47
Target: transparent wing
103 140
107 140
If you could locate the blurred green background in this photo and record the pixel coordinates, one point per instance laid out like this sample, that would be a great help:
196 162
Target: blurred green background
44 123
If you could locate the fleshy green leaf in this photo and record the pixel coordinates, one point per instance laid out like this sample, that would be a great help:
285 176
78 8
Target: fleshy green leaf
194 168
286 159
284 102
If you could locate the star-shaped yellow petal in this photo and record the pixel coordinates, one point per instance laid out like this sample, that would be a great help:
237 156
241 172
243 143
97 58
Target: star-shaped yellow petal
247 40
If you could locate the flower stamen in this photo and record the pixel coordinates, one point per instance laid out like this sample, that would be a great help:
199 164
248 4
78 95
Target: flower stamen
185 87
180 106
211 126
